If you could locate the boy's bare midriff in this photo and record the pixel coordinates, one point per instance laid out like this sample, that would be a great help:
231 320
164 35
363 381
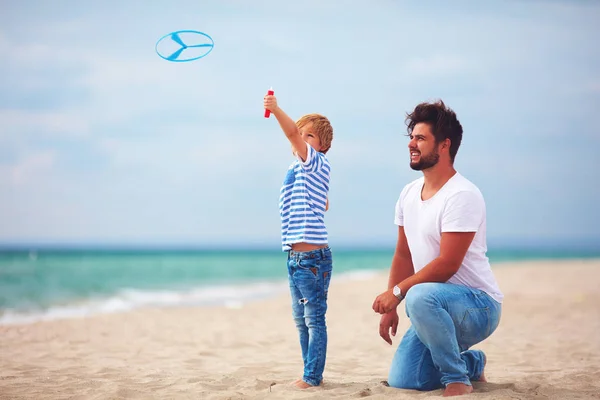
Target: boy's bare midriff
307 246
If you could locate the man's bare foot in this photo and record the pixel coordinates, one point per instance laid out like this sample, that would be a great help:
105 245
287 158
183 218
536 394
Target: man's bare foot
457 389
300 384
482 376
296 381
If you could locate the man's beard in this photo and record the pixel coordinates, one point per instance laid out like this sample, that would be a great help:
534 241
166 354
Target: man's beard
427 161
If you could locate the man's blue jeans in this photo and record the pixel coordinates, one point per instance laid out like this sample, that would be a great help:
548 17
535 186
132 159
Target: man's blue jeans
309 275
447 319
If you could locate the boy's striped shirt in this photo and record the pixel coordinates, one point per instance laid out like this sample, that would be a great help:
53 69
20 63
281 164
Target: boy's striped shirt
303 199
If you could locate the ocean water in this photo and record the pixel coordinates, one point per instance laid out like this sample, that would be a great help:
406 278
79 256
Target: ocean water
50 283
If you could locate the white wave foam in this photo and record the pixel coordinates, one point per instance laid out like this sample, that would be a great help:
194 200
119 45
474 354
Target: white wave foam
234 296
358 275
230 296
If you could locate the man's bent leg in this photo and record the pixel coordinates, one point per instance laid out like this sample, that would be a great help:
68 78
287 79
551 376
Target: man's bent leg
475 361
448 319
412 366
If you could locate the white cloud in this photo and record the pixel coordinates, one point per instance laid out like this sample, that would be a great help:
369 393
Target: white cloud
28 170
439 65
42 123
594 87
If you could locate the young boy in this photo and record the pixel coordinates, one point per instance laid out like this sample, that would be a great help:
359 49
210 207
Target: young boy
302 205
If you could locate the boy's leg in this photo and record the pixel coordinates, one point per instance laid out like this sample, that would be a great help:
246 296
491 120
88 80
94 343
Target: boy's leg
312 278
298 311
447 320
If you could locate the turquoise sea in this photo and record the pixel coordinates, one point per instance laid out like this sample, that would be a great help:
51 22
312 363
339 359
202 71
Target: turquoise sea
49 283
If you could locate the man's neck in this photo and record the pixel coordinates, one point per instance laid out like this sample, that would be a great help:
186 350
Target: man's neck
437 176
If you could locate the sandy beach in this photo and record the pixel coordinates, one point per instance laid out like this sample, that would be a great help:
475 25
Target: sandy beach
546 347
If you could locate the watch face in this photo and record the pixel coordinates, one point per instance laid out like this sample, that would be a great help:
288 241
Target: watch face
396 291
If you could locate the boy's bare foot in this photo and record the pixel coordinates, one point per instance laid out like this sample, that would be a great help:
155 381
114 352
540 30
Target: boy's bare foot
457 389
300 384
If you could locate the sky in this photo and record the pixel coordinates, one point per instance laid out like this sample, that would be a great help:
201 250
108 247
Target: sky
102 141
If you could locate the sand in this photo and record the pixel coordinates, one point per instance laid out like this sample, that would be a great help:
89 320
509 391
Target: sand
546 347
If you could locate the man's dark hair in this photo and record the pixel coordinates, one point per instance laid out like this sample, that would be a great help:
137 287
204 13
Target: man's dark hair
442 121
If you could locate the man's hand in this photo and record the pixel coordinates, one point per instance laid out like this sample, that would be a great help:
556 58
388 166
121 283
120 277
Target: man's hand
270 103
385 302
388 321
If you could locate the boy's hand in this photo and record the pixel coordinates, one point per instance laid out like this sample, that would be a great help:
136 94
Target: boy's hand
288 126
270 103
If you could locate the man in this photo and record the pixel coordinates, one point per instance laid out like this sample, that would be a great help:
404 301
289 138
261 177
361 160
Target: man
440 267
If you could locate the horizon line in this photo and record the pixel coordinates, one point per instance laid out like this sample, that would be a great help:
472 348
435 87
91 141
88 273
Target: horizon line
589 245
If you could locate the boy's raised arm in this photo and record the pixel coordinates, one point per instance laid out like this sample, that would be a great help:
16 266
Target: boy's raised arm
288 126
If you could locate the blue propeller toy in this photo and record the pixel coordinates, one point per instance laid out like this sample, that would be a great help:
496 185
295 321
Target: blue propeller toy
194 40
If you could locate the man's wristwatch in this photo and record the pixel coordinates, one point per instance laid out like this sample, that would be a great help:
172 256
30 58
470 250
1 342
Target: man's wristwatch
398 293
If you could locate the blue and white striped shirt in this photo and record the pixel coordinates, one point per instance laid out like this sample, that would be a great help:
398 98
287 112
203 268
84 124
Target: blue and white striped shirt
303 199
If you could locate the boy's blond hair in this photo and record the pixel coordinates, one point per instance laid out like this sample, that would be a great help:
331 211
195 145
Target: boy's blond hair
321 127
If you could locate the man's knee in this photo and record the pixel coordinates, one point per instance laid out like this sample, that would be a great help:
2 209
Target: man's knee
404 382
401 382
421 297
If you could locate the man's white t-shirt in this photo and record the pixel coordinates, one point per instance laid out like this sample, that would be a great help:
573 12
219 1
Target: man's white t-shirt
457 207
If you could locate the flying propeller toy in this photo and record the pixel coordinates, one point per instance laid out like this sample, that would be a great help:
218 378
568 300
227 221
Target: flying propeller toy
184 46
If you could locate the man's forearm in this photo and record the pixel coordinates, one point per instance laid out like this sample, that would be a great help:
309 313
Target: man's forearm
438 270
402 268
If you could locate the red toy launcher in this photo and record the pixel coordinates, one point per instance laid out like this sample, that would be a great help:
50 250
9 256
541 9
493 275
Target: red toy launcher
267 112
